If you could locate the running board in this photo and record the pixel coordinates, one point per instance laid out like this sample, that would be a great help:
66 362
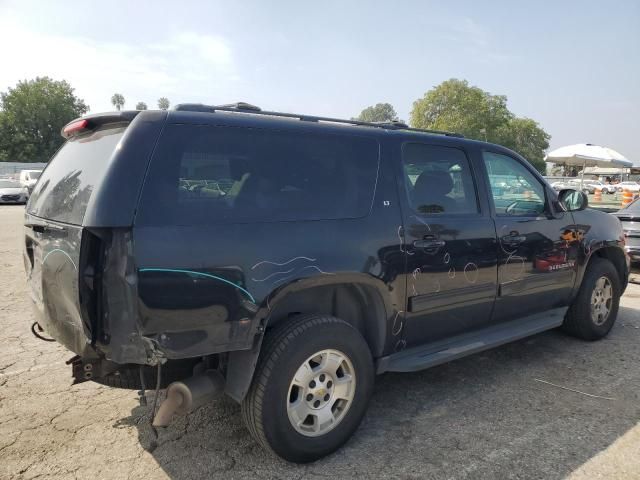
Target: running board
436 353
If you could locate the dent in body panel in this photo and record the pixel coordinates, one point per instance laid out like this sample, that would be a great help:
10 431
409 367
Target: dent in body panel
595 230
122 337
212 300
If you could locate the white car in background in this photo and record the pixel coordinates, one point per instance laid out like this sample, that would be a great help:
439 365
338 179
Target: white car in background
605 187
28 178
12 192
631 186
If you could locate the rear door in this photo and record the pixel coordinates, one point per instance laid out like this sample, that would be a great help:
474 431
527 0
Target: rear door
536 257
53 232
449 241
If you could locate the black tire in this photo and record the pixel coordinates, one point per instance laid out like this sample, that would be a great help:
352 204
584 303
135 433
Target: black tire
578 321
284 350
128 376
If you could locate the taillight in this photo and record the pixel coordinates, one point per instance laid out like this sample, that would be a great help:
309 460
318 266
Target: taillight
75 127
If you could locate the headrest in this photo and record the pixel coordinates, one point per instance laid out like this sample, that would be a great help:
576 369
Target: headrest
432 183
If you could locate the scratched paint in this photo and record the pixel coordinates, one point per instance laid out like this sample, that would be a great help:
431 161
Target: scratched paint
57 250
422 222
272 275
269 262
398 323
298 269
516 260
200 274
471 272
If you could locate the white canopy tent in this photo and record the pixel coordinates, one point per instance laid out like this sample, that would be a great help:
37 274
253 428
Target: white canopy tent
587 155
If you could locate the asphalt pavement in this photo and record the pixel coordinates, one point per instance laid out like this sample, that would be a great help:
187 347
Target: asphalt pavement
547 407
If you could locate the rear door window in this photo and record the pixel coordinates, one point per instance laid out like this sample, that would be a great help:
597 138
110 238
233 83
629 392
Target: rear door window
438 180
210 175
64 189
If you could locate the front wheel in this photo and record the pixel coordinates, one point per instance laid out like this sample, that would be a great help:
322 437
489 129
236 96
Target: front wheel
311 388
594 310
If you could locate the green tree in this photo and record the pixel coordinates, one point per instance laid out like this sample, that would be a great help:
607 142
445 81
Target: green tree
141 106
525 136
163 103
31 117
456 106
380 112
117 100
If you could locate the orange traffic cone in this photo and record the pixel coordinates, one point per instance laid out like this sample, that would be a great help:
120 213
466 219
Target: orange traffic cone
597 196
627 197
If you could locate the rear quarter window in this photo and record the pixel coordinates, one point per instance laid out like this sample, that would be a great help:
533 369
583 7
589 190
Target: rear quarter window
65 187
210 175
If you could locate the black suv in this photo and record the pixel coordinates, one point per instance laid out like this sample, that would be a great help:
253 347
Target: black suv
286 259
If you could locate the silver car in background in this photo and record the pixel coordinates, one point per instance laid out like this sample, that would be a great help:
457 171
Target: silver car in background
13 192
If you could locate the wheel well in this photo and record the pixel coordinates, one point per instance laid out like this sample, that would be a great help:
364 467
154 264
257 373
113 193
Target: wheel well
617 258
359 305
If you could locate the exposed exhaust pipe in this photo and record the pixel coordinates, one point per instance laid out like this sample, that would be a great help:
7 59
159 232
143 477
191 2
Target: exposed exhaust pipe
182 397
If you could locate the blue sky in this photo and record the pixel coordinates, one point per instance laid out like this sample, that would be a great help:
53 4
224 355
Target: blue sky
573 66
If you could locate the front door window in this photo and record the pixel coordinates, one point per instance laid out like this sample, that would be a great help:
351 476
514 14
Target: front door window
515 190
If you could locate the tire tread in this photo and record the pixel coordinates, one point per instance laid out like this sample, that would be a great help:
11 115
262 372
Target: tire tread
274 346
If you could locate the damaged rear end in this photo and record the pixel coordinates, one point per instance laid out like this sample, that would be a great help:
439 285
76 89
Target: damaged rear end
78 242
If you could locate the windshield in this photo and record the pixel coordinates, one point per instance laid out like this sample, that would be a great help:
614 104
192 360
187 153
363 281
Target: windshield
8 184
633 207
35 175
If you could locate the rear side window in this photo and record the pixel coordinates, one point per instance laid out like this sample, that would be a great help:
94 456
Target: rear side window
438 180
209 175
64 189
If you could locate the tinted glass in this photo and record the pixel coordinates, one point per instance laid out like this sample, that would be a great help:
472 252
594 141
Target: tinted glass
34 175
208 175
438 179
634 206
65 188
515 190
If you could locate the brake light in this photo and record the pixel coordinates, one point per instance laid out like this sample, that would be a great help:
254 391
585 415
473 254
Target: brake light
75 127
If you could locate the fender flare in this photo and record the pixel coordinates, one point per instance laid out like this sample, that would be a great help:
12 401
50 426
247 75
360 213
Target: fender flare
241 364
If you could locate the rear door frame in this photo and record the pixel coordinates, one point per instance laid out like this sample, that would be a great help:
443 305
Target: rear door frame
444 300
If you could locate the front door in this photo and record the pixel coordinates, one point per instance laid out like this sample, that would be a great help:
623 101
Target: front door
450 245
536 251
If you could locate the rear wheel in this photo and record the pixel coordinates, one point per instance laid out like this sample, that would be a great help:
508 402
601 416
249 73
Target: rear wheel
594 311
311 388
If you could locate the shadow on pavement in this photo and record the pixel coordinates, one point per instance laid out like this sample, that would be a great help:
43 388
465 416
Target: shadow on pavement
484 416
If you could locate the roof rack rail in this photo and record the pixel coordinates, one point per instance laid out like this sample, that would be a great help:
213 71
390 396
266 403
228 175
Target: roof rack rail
393 123
243 107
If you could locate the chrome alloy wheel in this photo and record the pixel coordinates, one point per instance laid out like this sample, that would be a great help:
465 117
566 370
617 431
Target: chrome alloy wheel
601 299
321 393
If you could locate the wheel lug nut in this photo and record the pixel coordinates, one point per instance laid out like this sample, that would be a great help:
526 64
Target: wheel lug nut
316 403
322 377
329 384
312 384
309 397
326 397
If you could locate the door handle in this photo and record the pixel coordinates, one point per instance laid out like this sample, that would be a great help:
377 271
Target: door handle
513 239
428 243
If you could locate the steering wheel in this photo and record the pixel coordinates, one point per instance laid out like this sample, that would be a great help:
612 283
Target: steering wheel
511 207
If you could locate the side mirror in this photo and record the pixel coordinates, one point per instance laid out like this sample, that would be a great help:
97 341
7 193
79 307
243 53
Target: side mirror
572 200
